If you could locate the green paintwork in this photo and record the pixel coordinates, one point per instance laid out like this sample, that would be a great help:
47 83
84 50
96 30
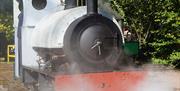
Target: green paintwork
131 48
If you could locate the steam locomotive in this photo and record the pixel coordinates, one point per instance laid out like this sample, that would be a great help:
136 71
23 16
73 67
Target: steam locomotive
69 45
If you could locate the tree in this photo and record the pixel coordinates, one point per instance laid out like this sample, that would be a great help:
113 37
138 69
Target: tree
156 24
6 19
6 7
6 26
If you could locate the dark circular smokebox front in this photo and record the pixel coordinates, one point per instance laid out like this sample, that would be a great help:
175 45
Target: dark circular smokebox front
93 40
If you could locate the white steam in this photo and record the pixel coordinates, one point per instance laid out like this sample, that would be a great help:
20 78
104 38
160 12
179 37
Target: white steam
156 81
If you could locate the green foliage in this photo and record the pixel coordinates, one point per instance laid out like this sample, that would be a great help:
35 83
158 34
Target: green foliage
156 24
175 56
6 19
6 25
173 60
160 61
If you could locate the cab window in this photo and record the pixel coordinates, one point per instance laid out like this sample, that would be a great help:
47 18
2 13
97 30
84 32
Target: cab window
81 2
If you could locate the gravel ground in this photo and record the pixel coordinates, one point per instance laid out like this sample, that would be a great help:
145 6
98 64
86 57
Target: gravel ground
7 83
159 77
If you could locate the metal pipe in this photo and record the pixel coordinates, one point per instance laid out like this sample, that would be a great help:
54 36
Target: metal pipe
70 4
19 36
92 6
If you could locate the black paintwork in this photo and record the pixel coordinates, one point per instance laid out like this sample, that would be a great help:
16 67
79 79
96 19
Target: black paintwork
84 32
70 4
92 7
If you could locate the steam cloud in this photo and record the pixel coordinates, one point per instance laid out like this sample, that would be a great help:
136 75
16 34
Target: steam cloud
156 81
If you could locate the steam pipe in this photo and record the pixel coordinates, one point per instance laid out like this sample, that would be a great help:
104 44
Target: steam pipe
92 6
70 4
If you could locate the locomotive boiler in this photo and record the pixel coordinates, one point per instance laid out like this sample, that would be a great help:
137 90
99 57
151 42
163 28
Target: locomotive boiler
55 38
82 35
